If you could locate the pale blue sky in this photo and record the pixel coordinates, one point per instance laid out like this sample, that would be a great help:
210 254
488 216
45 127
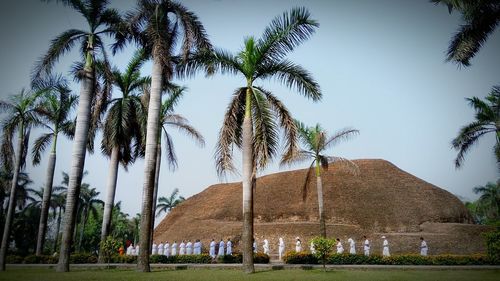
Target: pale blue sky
380 65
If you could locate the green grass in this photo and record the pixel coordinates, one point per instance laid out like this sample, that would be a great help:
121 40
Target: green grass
28 274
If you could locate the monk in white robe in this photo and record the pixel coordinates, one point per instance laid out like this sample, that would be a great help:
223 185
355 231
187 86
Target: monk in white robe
352 246
182 248
166 249
197 247
298 245
137 250
340 248
221 248
130 249
311 248
212 249
281 248
174 249
265 247
154 249
423 247
254 245
385 249
160 248
189 248
229 247
366 246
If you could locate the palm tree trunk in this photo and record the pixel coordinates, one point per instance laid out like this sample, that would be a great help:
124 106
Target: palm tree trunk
12 199
247 159
110 198
150 164
82 230
58 229
77 164
155 191
47 193
321 209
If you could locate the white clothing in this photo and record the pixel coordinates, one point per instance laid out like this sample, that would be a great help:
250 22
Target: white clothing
311 248
352 246
160 249
189 248
281 248
174 249
182 249
221 248
298 246
340 248
385 251
154 249
136 252
266 247
197 248
366 247
166 249
130 249
423 248
229 248
212 249
254 247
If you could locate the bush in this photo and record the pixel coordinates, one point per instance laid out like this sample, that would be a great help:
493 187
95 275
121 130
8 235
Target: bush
493 245
260 258
293 257
123 259
11 259
82 258
203 258
43 259
234 258
109 247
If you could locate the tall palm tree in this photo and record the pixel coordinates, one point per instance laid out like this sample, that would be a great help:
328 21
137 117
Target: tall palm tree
59 200
21 117
489 199
166 204
487 120
315 141
156 26
251 120
54 111
88 204
121 130
102 21
480 17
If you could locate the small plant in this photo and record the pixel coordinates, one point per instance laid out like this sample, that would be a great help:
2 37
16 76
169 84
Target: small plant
109 247
323 247
493 245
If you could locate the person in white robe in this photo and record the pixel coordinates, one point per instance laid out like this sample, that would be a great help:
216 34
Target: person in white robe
366 246
182 248
265 247
160 248
154 249
174 249
130 249
311 248
281 248
298 245
340 248
137 250
229 247
352 246
221 248
212 249
254 245
385 249
189 248
197 247
423 247
166 249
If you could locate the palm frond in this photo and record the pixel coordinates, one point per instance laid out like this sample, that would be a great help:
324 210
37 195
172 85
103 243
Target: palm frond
345 164
39 146
341 135
468 136
265 129
309 173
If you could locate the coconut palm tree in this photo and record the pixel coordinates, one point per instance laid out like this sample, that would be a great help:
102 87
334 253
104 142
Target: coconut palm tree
489 199
88 205
316 141
480 17
487 120
166 204
54 111
255 114
122 130
20 111
157 26
102 21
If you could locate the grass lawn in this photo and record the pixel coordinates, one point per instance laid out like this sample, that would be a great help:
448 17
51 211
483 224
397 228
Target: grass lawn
28 274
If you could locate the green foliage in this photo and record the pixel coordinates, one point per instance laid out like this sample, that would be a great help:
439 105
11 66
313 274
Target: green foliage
14 259
124 259
83 258
43 259
109 247
260 258
293 257
203 258
323 247
354 259
493 245
234 258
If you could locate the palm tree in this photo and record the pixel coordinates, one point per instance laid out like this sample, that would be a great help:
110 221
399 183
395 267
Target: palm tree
487 121
54 111
156 26
121 128
88 205
489 199
316 141
101 21
21 117
59 200
166 204
251 120
480 17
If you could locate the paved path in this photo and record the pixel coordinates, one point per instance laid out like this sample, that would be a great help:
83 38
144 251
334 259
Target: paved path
269 266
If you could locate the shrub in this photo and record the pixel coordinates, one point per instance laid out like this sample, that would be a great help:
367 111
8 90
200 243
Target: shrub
123 259
234 258
293 257
323 247
82 258
11 259
44 259
493 245
109 247
203 258
260 258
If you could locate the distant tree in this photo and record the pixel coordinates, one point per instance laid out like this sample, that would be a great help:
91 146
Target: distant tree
487 121
489 200
88 204
166 204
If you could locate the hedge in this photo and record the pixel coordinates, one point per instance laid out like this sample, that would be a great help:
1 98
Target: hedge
203 258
